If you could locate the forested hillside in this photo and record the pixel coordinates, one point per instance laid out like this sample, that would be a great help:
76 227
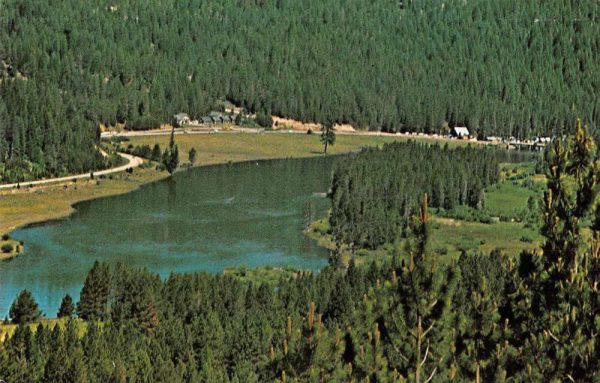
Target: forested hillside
529 317
510 67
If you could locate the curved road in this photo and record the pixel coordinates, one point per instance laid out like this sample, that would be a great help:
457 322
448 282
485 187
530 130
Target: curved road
132 162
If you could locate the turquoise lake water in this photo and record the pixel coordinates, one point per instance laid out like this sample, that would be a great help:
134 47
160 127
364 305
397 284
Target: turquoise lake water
206 219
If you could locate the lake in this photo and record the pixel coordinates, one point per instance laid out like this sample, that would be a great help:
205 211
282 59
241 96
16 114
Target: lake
205 219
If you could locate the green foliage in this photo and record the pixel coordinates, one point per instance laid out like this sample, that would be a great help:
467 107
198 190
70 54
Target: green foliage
327 135
192 155
485 318
554 296
24 309
418 320
374 193
480 349
264 119
156 154
67 307
522 68
170 157
93 299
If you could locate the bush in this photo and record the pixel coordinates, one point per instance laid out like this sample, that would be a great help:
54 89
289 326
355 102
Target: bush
526 239
466 213
118 139
7 248
5 237
264 119
143 151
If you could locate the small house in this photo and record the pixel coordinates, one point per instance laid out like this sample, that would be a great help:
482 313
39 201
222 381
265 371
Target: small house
227 119
216 119
181 119
460 132
206 120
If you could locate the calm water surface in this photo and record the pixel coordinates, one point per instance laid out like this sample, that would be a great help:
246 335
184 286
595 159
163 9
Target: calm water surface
206 219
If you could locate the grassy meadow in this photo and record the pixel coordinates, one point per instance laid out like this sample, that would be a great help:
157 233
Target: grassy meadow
233 147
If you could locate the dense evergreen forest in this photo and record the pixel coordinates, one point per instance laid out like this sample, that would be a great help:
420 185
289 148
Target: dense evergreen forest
375 192
513 67
487 317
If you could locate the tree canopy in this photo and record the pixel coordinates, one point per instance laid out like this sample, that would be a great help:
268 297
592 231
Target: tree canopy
508 68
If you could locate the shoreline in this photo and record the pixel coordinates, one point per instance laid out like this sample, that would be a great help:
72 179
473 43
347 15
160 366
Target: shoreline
38 205
141 185
73 206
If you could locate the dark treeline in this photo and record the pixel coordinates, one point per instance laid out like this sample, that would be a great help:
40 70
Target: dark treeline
375 192
485 318
512 67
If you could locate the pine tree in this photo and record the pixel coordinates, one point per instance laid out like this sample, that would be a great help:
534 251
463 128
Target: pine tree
156 154
192 156
93 300
24 309
67 307
309 352
419 317
555 301
479 336
327 135
171 155
365 349
57 367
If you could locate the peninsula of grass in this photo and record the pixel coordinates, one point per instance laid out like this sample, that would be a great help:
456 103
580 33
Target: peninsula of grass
236 147
28 205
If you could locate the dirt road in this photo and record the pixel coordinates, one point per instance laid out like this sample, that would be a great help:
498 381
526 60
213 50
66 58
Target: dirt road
132 162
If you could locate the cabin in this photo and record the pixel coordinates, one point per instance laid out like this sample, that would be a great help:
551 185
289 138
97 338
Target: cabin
216 119
206 120
181 119
460 132
228 119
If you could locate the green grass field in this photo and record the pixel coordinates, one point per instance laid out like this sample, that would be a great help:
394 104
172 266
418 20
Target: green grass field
507 198
7 330
226 147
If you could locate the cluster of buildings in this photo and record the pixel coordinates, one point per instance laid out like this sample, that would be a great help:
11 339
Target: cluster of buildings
182 119
462 133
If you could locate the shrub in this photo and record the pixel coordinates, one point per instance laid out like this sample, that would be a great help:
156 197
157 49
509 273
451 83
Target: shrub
5 237
7 248
264 119
526 239
118 139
